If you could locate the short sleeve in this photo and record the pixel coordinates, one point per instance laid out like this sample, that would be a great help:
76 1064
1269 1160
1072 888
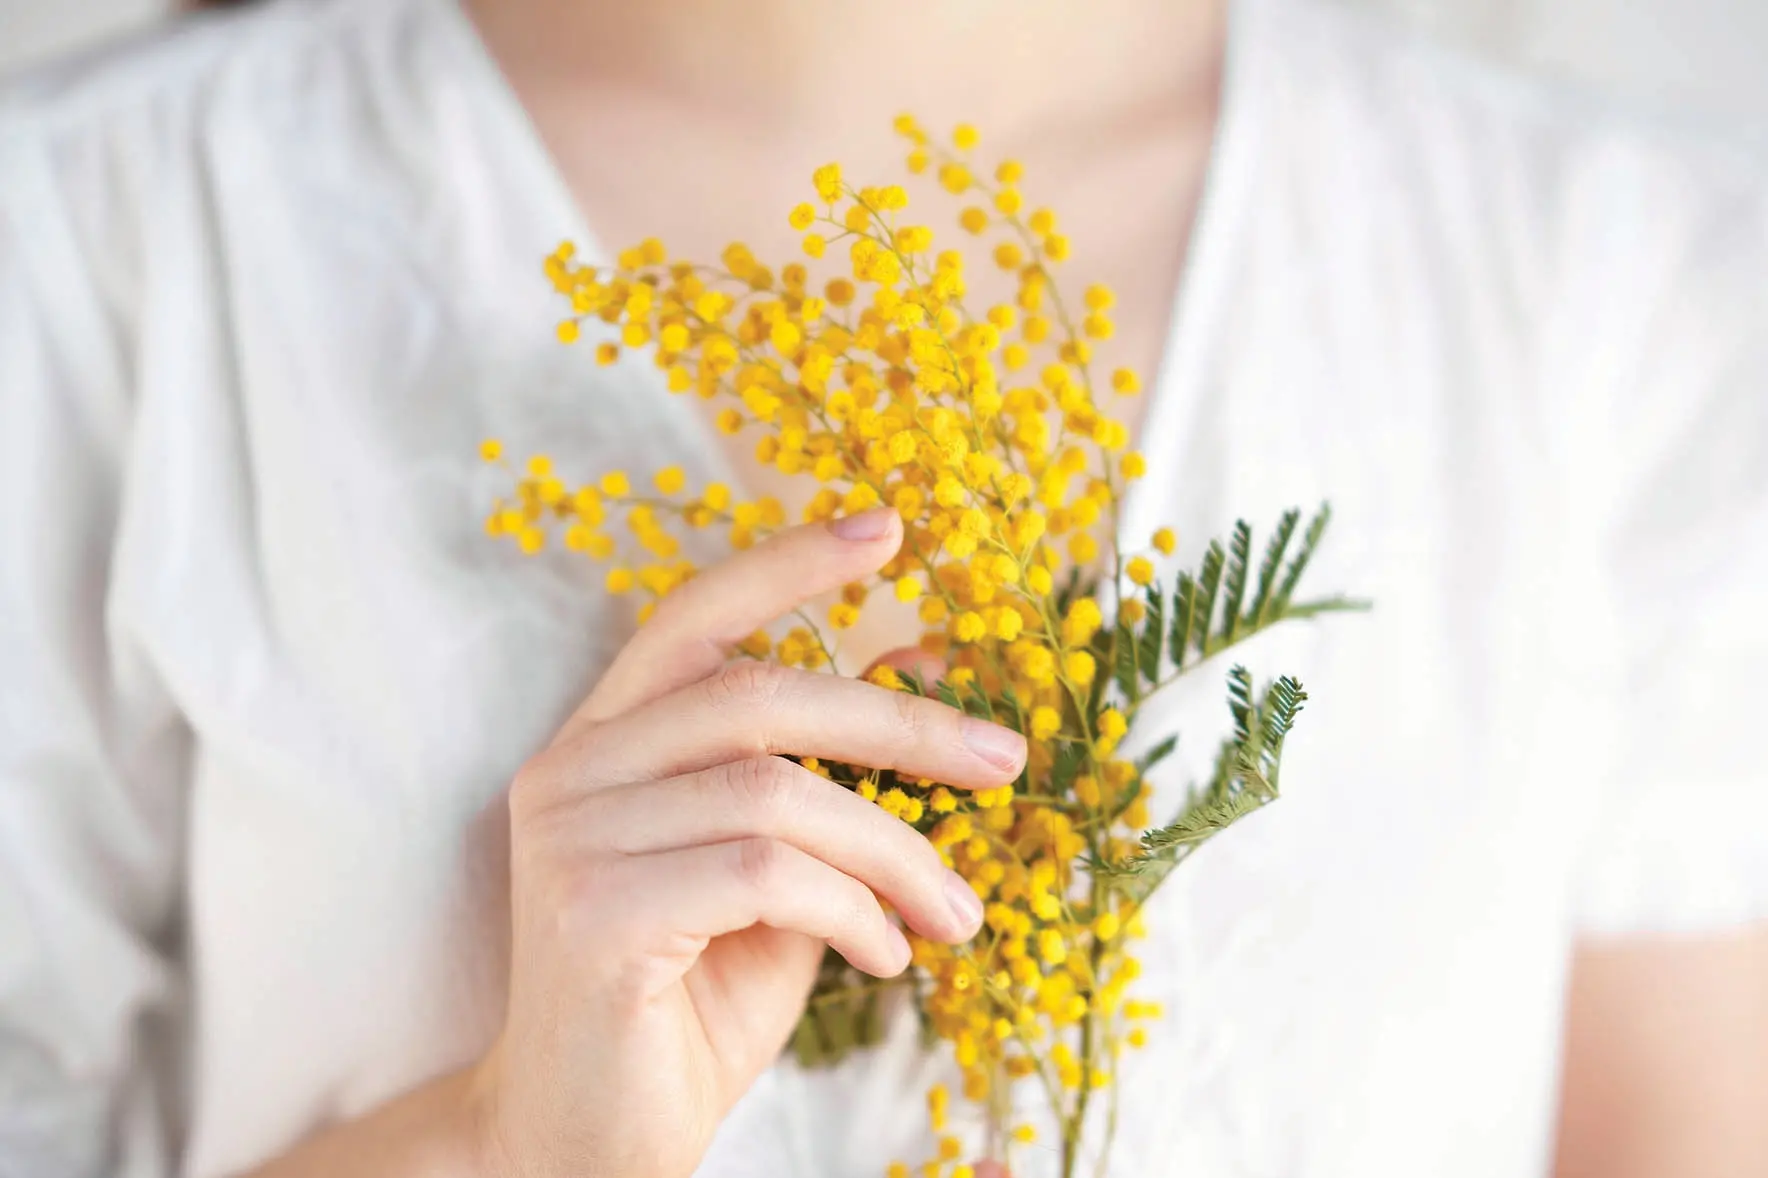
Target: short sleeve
92 755
1681 845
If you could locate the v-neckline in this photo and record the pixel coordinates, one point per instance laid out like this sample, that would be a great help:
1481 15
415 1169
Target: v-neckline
1175 386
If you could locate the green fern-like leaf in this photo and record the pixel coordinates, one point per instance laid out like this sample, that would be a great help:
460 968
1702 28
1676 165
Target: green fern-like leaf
1189 622
1234 580
1299 565
1066 766
1196 633
1244 780
1268 568
1298 611
977 703
1199 823
1240 703
1282 701
1123 658
1209 584
1153 637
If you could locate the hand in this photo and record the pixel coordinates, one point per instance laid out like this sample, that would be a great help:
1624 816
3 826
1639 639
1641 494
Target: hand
674 879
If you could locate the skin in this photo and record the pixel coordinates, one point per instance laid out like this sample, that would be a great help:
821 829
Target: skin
671 895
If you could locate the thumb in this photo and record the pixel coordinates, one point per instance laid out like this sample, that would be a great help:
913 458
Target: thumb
696 626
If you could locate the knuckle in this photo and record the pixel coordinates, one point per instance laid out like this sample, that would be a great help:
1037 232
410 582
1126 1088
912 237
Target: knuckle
768 790
747 682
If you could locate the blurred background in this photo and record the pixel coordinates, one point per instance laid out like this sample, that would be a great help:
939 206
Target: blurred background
1701 57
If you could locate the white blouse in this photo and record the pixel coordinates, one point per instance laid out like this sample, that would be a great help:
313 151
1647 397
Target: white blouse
266 280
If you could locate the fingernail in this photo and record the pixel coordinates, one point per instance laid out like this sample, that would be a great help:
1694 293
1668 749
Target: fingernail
867 525
966 905
994 744
899 945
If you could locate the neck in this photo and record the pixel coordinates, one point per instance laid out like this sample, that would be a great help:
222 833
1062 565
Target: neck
1021 69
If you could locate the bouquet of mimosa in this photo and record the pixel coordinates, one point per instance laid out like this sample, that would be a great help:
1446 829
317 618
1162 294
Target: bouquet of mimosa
986 430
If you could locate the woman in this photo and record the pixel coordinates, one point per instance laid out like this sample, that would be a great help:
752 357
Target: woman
336 843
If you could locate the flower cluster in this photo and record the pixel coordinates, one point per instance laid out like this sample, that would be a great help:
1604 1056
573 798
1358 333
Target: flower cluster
984 429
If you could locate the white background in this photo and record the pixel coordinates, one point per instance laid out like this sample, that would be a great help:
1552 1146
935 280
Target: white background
1707 57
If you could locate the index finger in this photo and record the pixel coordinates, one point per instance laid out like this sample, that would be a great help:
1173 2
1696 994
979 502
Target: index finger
696 627
754 709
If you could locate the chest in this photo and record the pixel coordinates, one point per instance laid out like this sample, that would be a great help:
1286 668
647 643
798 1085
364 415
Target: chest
1123 198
